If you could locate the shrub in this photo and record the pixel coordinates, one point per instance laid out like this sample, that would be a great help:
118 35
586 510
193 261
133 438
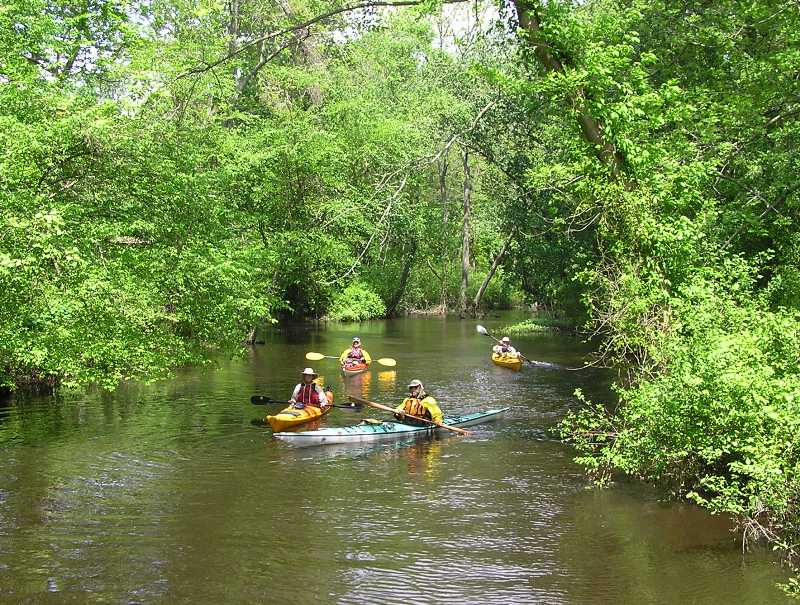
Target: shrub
355 303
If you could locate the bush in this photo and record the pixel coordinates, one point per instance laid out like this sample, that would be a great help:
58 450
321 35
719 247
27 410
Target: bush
538 324
355 303
720 426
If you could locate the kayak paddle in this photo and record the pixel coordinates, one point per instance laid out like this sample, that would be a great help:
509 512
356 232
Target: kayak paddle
262 400
386 408
384 361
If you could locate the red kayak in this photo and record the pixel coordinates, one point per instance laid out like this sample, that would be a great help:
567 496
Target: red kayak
354 368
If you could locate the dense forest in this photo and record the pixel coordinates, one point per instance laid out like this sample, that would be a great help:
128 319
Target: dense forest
175 174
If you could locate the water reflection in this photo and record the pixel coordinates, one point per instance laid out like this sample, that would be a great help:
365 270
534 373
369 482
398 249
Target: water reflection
387 380
422 457
358 385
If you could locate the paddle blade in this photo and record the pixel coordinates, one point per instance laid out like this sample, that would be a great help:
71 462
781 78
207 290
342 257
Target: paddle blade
261 400
481 330
314 356
387 361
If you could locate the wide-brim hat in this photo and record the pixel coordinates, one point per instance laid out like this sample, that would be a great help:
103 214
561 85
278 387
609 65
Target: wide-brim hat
310 372
505 339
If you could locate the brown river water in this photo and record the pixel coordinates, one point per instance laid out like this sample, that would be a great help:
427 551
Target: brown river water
171 493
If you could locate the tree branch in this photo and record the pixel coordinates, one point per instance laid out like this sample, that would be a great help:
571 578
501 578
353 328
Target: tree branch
303 25
604 150
253 72
374 233
492 269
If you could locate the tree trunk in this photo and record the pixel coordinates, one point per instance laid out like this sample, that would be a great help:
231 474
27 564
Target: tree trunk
492 269
445 218
308 48
605 151
233 35
391 308
462 296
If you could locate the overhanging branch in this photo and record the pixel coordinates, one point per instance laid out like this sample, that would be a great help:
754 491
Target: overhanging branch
304 25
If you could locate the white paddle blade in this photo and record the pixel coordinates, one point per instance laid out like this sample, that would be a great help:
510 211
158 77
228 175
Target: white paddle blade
314 356
481 330
387 361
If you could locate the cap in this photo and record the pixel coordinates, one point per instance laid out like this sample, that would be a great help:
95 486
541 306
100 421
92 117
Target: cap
505 339
414 383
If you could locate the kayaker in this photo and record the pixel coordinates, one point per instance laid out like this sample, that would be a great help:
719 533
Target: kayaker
355 355
309 392
505 348
418 403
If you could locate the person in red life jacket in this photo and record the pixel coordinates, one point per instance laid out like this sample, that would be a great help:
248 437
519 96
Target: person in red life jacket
418 403
355 355
309 392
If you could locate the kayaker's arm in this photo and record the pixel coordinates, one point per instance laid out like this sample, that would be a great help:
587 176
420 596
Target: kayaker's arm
367 358
295 393
433 407
344 355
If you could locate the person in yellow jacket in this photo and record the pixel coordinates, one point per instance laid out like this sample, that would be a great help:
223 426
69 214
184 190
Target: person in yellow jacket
418 403
355 355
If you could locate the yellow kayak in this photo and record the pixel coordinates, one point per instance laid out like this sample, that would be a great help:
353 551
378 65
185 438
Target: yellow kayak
507 361
290 417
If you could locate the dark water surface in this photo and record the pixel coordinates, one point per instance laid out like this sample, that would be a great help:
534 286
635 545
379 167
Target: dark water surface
169 494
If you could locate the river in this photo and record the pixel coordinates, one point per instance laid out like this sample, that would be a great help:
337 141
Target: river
175 493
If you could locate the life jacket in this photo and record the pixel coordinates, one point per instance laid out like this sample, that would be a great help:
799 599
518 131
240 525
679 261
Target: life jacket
308 394
415 408
356 354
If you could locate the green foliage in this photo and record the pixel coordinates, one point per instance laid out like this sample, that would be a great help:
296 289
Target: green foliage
540 323
686 262
356 303
149 217
720 425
